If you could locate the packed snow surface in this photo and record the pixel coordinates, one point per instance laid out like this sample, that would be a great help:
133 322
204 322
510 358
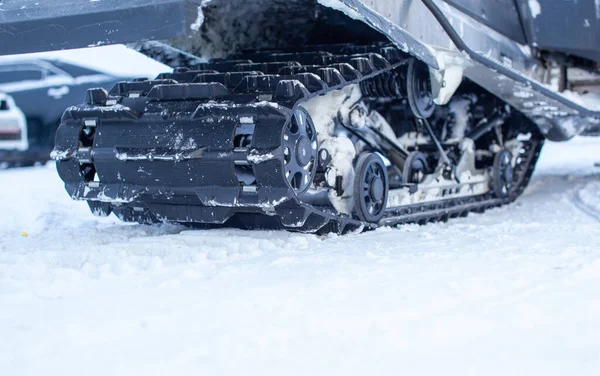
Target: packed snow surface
514 291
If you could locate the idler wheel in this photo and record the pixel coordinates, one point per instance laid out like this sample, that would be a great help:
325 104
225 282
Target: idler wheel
415 168
502 174
300 151
370 188
418 89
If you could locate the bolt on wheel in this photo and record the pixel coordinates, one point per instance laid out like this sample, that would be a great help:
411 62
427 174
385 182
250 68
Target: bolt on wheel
300 150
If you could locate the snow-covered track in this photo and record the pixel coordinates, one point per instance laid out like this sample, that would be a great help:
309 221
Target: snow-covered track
207 144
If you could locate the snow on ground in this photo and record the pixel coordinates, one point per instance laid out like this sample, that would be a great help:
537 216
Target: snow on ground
514 291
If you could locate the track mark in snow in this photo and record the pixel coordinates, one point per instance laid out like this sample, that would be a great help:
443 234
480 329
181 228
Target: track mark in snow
587 199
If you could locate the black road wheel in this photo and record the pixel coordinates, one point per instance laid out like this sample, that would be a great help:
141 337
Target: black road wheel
418 88
300 150
415 168
371 186
502 174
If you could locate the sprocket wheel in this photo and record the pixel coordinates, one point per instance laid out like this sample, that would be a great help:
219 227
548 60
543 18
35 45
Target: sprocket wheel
502 174
415 168
371 187
300 150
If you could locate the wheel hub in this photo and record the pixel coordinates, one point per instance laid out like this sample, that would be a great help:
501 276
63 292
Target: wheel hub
377 189
303 151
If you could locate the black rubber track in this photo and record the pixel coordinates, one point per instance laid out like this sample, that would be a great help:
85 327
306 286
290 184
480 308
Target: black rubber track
202 101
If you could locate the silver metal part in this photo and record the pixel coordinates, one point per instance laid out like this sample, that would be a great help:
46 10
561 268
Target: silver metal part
436 186
411 26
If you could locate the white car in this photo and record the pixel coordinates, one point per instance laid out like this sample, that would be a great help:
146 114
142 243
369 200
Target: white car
13 126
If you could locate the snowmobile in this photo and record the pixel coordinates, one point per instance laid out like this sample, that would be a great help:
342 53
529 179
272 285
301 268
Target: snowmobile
317 115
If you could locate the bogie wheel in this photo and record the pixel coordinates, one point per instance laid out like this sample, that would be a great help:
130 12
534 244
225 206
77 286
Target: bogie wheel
371 186
415 168
502 174
300 149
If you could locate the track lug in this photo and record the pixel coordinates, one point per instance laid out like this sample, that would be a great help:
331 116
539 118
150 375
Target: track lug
100 209
218 196
291 90
96 97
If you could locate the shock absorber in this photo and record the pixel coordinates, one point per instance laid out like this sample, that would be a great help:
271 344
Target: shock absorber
386 85
410 81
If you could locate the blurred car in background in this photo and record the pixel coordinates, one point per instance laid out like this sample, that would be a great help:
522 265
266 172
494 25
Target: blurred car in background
43 89
13 128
